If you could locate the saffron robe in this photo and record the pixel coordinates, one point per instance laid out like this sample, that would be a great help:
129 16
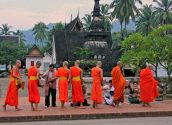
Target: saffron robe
77 94
12 92
148 86
34 96
63 75
119 83
96 94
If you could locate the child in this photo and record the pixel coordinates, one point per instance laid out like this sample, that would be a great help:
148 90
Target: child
133 97
108 92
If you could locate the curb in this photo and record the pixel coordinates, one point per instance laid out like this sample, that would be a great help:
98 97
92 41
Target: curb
84 116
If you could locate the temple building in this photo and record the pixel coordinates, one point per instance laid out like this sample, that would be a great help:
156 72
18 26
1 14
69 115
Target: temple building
74 35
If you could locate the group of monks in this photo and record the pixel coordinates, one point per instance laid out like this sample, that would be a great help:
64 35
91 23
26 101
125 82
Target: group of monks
74 75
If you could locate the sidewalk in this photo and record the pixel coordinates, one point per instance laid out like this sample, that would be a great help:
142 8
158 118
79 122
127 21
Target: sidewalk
163 108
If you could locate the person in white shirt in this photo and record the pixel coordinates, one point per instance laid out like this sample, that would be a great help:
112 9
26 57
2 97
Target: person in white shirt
108 92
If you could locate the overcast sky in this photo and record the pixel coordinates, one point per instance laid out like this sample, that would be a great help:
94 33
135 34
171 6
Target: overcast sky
23 14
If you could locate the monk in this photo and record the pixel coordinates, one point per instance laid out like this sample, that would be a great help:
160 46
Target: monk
148 86
12 92
63 74
33 82
76 79
97 75
119 83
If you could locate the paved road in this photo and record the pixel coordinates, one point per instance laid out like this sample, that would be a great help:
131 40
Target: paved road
124 121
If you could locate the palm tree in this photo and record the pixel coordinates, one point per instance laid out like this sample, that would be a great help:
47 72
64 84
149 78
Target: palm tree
20 35
124 10
117 14
39 31
163 11
104 9
87 21
57 27
146 20
5 29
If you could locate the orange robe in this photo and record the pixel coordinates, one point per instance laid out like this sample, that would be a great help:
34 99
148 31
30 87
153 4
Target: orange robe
96 94
77 95
34 96
12 92
119 83
148 86
63 74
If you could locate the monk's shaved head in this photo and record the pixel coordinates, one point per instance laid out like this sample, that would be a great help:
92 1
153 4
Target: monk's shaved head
65 63
77 62
38 64
149 65
99 63
18 61
119 63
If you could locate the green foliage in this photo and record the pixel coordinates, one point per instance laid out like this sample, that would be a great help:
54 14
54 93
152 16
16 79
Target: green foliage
5 29
10 52
162 45
87 65
40 32
146 20
57 27
163 11
134 53
104 9
156 48
87 21
123 10
83 53
21 36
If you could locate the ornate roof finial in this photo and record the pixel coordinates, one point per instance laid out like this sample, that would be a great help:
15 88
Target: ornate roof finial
71 18
96 11
78 13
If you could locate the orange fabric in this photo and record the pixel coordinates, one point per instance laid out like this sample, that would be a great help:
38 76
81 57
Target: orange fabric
63 74
12 92
119 83
77 95
148 86
96 94
34 96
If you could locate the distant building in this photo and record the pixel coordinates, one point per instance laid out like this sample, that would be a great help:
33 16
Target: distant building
35 55
10 38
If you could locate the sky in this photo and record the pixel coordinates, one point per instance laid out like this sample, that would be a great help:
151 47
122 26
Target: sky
23 14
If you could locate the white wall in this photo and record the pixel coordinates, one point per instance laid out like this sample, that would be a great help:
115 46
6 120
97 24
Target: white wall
161 71
46 60
35 59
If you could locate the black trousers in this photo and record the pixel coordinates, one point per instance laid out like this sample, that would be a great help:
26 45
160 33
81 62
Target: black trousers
52 92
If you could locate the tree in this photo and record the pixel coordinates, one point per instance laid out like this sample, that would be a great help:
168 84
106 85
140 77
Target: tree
87 21
134 53
123 10
10 52
6 29
161 39
104 9
163 11
57 27
83 53
20 35
146 20
156 49
40 31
